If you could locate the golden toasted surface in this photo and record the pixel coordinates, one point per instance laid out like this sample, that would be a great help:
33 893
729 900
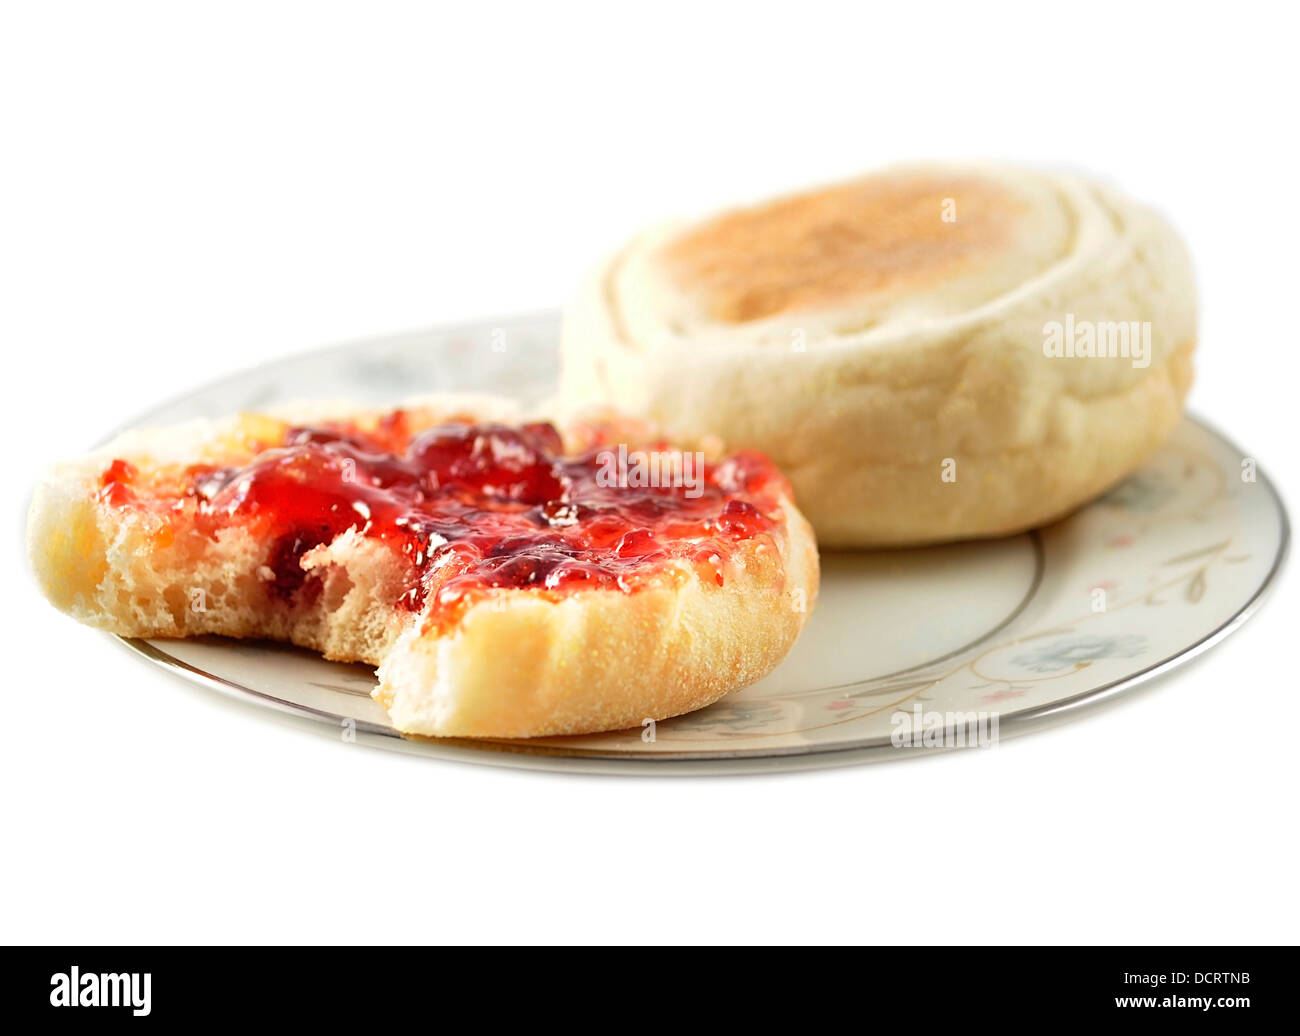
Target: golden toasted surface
880 234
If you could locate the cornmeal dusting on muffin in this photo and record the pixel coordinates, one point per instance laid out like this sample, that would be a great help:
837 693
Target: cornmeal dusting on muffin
834 245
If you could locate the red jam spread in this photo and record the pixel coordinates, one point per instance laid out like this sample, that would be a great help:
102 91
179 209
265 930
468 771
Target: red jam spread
472 507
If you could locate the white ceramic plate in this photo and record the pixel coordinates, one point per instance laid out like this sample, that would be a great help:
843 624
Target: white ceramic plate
1029 628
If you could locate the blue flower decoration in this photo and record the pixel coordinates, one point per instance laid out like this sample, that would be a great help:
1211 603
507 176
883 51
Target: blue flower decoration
1142 494
1067 653
735 716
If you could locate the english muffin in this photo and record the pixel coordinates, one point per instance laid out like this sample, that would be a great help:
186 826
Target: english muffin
509 578
929 353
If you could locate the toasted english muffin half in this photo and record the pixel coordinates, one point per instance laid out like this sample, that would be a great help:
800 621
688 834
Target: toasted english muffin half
932 352
509 579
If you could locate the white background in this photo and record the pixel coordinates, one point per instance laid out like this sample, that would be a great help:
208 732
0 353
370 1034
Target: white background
187 192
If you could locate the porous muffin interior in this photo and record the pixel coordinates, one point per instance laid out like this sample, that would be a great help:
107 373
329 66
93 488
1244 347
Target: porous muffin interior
119 570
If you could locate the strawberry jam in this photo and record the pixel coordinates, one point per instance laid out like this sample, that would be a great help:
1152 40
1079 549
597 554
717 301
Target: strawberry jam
472 507
115 483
